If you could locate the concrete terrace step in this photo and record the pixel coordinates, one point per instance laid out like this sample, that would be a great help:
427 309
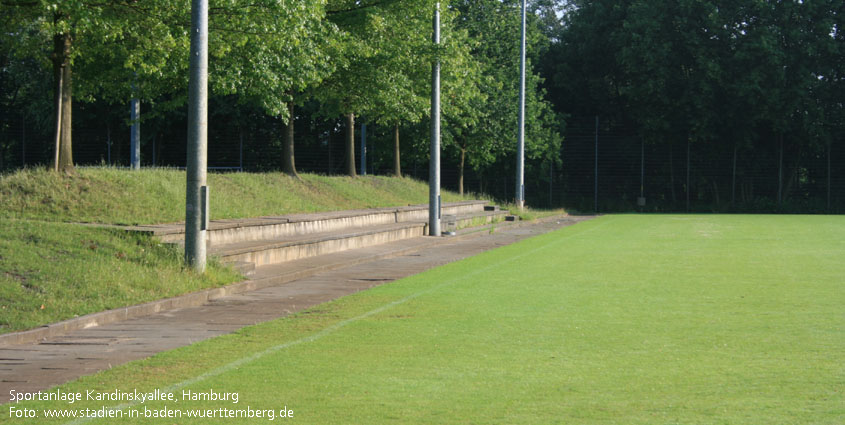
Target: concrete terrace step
273 227
456 222
273 251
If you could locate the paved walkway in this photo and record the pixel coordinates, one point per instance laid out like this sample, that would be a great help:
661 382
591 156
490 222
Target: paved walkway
56 360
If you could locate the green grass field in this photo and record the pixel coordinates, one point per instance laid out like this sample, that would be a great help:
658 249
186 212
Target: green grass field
672 319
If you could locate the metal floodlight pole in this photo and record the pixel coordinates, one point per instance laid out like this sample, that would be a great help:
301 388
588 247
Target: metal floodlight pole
520 151
135 133
434 162
196 205
363 149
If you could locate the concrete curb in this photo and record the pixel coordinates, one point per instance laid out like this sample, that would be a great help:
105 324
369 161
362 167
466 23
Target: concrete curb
202 297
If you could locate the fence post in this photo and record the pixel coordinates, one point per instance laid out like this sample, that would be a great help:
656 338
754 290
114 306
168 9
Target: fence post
551 182
829 149
688 165
363 149
780 171
108 143
596 179
642 168
733 179
23 140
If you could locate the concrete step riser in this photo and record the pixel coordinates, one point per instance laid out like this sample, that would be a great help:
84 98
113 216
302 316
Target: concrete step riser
294 252
422 215
476 221
280 230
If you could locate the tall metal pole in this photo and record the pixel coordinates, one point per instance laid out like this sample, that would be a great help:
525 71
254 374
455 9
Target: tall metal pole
196 205
135 134
363 149
520 150
434 162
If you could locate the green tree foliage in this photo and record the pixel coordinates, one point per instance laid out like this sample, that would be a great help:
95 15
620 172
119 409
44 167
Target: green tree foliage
118 50
484 129
722 74
369 59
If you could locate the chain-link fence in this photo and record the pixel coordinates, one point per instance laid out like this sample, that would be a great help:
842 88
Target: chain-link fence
607 168
604 168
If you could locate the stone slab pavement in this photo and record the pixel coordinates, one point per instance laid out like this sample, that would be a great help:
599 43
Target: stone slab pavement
59 359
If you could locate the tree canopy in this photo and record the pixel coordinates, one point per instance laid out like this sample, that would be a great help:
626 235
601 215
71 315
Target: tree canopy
727 75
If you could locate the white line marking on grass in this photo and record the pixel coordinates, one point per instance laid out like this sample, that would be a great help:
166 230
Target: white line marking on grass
331 329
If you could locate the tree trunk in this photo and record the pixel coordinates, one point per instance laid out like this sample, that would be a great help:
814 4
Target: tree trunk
288 159
58 74
397 165
350 145
66 155
461 174
63 159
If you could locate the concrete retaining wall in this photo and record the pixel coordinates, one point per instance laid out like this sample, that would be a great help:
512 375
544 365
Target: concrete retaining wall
268 228
286 251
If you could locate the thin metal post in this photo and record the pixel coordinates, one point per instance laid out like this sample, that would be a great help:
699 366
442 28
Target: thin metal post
197 165
829 149
733 179
434 161
108 143
135 134
551 181
688 165
363 149
780 171
596 179
23 140
520 151
642 168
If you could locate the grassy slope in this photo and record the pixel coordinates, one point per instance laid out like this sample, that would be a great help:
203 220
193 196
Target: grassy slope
645 319
55 271
89 270
152 196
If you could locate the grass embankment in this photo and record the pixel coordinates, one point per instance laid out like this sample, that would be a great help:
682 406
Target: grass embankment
620 320
73 270
55 271
153 196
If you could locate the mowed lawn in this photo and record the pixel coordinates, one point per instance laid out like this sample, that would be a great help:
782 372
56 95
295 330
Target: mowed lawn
629 319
